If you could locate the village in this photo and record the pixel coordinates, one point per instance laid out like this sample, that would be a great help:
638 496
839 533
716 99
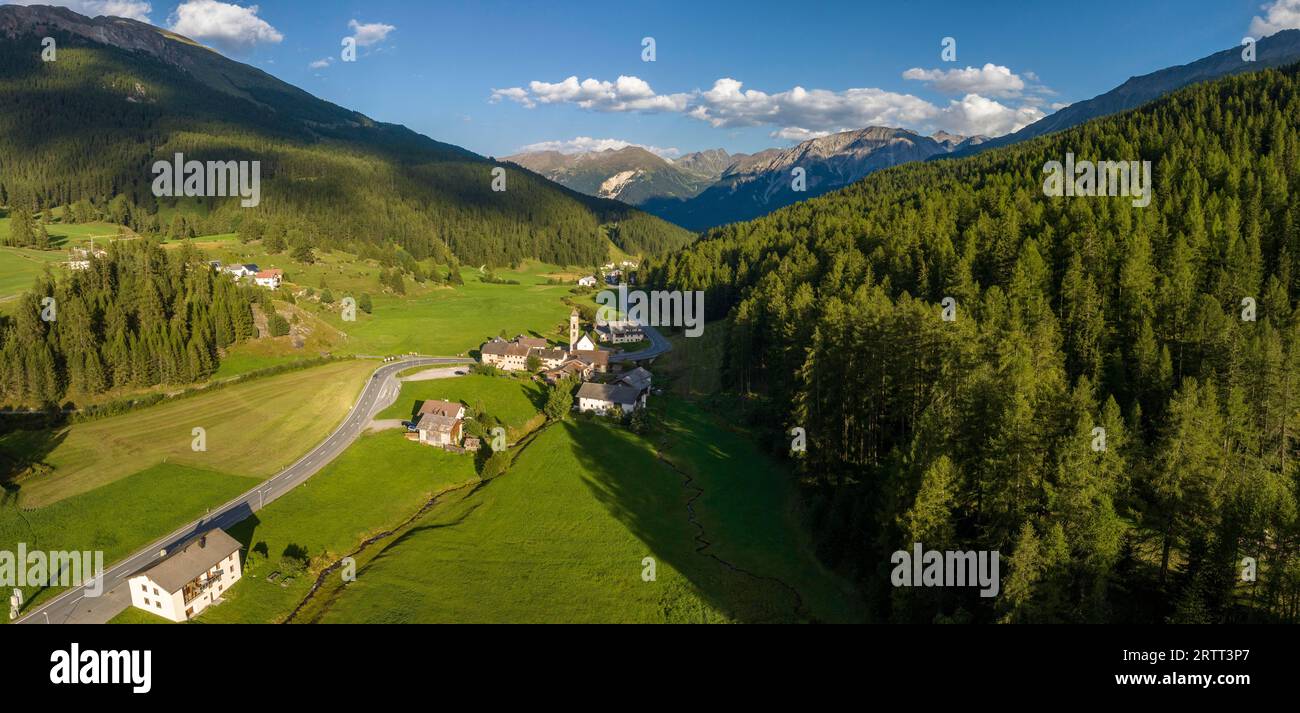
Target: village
602 390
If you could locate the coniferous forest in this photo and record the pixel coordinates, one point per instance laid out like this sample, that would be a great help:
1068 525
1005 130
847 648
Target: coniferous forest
138 316
1175 328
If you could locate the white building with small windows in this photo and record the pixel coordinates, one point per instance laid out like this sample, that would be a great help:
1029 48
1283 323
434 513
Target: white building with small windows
189 580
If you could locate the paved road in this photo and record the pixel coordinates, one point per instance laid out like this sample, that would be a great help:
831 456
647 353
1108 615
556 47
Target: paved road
658 345
73 607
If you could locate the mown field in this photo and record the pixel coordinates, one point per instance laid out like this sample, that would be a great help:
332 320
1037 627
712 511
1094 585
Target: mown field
254 428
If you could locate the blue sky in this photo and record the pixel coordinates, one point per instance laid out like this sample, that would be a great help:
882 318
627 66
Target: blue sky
491 76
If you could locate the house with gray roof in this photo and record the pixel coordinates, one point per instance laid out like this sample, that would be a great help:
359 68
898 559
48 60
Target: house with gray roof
190 579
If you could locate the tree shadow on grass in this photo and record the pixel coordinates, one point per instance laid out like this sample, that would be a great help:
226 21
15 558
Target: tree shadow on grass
22 457
536 394
650 498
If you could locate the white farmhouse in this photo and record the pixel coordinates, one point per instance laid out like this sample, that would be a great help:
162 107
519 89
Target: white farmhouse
605 398
588 281
190 579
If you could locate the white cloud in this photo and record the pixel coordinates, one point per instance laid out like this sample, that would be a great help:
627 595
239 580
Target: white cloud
1278 15
321 63
989 80
727 104
624 94
367 34
223 25
131 9
798 113
515 94
585 144
800 134
975 114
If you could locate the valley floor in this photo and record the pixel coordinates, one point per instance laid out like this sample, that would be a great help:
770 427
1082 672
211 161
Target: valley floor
563 536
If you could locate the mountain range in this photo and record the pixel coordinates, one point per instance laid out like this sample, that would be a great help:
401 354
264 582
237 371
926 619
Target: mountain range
704 189
630 174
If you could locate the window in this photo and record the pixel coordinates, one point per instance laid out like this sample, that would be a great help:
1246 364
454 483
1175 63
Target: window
146 601
158 605
189 612
155 592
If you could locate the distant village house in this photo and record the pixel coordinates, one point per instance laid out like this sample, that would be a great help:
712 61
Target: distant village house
269 279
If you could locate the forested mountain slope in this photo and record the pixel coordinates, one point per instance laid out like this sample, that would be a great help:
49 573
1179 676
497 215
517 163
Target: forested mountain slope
1072 314
123 94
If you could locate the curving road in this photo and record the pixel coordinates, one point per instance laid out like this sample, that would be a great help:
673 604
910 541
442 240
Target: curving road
658 345
74 607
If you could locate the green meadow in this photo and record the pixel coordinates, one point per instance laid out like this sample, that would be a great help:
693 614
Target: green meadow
63 235
428 319
19 268
375 485
515 402
563 536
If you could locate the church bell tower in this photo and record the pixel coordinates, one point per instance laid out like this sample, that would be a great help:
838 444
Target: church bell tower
573 330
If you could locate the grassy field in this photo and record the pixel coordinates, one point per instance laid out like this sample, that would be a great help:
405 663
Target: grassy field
329 517
513 401
428 319
121 516
131 615
20 267
65 235
563 535
254 428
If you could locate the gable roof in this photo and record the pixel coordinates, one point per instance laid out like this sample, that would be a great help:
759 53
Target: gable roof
437 423
193 560
638 378
440 408
551 354
498 347
613 393
593 356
